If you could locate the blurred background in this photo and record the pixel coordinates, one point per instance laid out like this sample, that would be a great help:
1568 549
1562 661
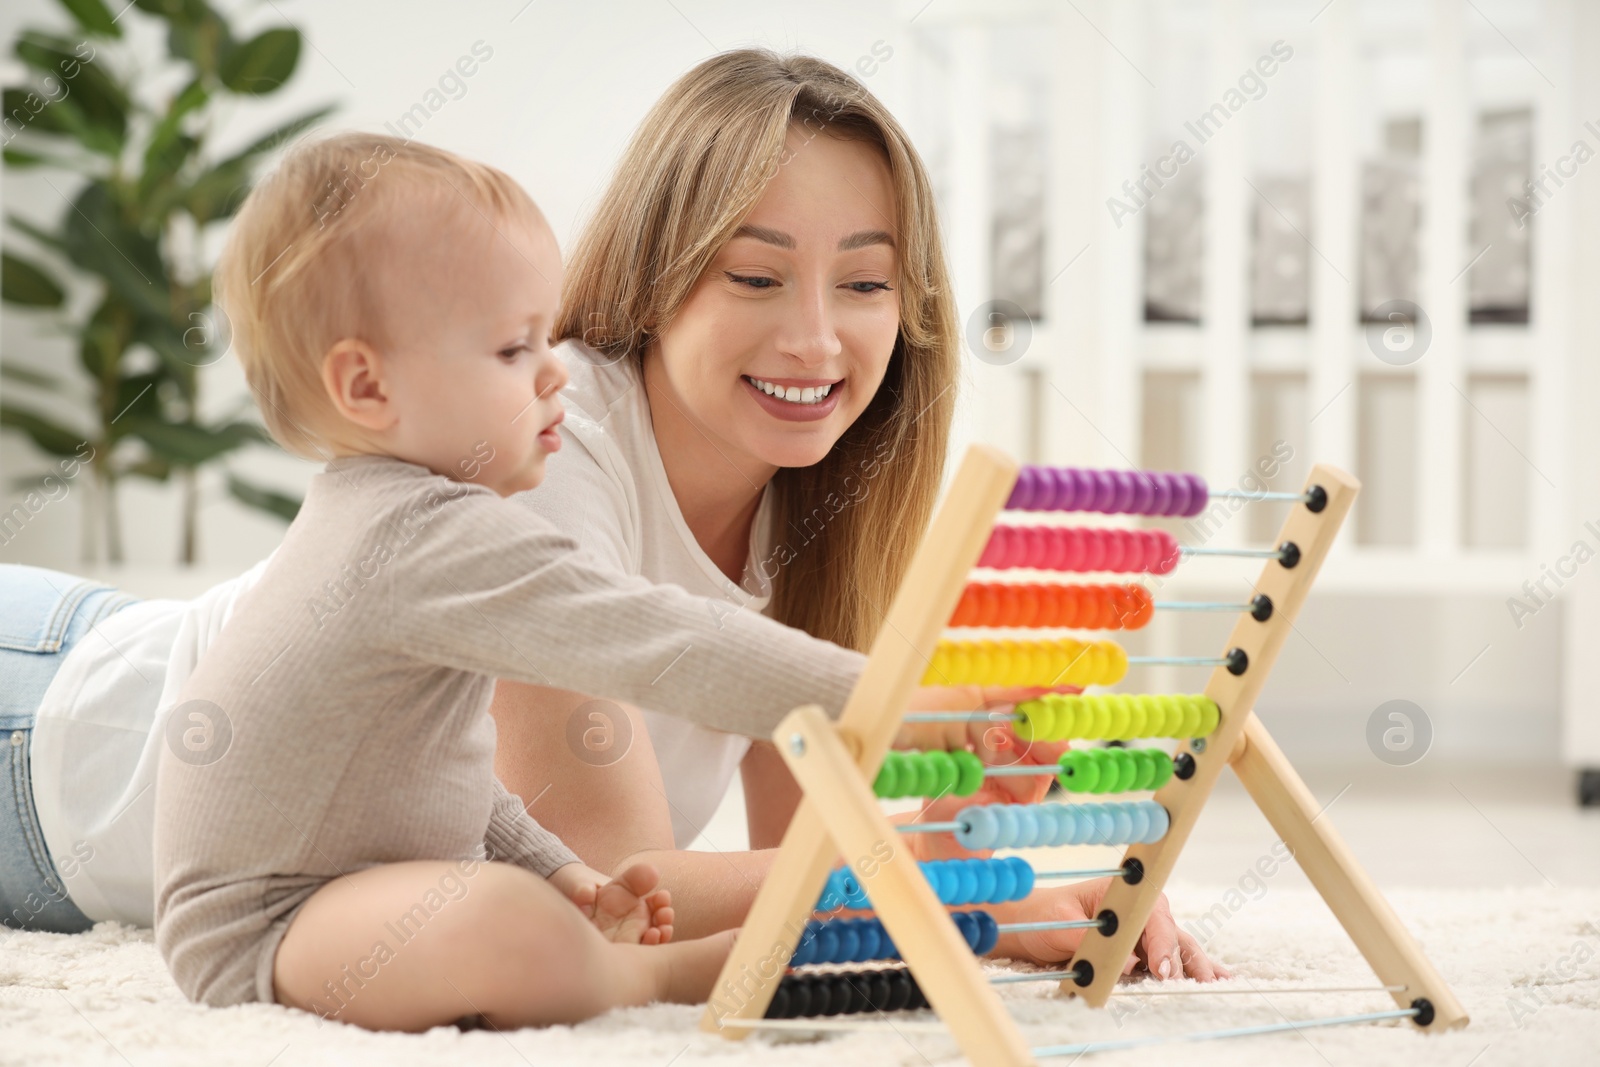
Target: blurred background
1233 237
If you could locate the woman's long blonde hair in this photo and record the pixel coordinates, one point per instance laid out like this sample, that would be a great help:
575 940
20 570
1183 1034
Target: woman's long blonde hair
695 168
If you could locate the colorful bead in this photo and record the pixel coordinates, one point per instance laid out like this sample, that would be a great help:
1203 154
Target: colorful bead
1115 716
1112 492
1081 549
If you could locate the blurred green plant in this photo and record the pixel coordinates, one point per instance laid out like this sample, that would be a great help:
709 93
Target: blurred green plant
148 190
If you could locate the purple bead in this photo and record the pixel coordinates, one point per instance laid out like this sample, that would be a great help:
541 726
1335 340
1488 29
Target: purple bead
1021 498
1161 494
1105 491
1144 493
1199 495
1049 498
1082 489
1126 486
1180 494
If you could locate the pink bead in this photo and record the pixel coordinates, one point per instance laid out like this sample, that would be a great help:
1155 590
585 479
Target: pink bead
1094 550
1165 557
1116 550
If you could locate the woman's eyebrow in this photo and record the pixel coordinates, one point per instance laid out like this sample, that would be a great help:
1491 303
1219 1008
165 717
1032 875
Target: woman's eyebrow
860 239
864 238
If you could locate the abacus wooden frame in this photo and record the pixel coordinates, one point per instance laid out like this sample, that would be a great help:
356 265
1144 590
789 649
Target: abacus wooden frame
840 816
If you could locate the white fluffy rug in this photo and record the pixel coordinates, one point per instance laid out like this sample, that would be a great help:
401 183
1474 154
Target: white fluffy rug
1525 962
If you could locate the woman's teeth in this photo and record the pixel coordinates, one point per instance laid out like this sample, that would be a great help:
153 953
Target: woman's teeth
793 394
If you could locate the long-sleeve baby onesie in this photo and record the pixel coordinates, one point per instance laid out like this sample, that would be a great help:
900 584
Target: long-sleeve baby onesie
341 719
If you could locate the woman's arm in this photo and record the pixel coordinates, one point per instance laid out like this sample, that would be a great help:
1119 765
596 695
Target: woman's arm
584 768
771 794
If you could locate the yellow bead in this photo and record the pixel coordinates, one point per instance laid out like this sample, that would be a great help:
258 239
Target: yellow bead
1121 713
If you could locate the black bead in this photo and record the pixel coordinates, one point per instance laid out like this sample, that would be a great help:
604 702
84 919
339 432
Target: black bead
1183 766
1132 871
1316 498
1261 607
779 1006
1238 661
1291 555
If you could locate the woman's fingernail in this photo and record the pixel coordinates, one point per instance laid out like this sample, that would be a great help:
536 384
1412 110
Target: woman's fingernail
1166 969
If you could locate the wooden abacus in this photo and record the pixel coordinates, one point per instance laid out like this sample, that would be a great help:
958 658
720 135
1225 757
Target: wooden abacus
768 977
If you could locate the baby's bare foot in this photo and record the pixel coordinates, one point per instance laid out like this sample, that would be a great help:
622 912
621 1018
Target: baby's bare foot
687 970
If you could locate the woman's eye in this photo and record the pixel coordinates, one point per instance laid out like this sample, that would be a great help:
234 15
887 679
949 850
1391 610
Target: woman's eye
515 350
869 287
754 281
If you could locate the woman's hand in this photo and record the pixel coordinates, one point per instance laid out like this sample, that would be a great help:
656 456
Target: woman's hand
1164 949
996 743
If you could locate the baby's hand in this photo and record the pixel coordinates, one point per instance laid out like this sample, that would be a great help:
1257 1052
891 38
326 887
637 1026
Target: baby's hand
629 908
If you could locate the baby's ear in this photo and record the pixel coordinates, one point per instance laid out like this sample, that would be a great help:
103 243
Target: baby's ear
354 376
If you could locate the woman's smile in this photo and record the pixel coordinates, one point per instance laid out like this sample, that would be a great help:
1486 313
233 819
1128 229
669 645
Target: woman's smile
795 399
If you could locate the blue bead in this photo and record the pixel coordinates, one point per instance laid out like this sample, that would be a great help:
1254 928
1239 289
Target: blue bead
988 932
871 934
1105 827
854 895
979 828
849 943
1023 871
984 891
968 928
1139 816
1005 881
806 951
1073 828
828 944
966 879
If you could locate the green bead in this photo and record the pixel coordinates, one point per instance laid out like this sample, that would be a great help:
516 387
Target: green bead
969 773
944 773
1163 764
1079 771
1145 771
1129 766
884 784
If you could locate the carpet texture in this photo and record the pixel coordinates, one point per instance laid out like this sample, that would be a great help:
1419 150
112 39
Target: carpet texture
1525 962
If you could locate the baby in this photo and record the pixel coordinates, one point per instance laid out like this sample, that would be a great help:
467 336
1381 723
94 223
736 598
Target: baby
341 843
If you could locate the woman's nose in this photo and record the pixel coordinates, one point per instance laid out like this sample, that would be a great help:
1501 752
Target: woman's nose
809 333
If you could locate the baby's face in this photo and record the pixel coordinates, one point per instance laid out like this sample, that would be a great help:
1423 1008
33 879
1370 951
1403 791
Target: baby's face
473 381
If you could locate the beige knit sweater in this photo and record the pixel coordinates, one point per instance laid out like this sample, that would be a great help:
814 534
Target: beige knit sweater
341 719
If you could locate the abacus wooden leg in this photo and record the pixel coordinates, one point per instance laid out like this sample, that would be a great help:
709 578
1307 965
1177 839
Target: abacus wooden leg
922 930
923 604
1366 916
1312 531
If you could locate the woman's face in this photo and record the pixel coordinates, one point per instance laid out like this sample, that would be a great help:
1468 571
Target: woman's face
785 338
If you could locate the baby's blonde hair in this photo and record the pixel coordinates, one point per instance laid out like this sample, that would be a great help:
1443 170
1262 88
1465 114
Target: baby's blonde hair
297 272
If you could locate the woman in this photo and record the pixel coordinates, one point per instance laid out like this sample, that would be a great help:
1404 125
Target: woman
764 349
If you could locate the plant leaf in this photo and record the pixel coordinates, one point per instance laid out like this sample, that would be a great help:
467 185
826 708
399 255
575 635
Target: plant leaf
274 140
26 284
98 239
94 17
28 376
261 64
49 436
44 237
186 444
99 98
285 507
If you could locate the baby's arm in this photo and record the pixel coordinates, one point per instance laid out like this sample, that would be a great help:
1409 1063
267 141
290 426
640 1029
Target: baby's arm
628 909
490 588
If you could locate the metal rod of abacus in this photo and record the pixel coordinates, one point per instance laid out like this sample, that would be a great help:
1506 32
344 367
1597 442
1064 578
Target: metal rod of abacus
1252 553
1178 661
1093 872
1201 605
928 827
1245 494
1212 1035
958 716
1060 924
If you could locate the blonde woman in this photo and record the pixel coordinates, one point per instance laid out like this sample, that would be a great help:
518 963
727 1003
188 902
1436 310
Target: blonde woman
764 350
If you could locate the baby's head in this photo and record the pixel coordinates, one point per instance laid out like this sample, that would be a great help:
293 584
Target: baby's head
391 298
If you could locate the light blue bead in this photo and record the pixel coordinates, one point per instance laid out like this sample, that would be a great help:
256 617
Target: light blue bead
1121 824
1006 822
979 828
1140 818
1160 821
1105 826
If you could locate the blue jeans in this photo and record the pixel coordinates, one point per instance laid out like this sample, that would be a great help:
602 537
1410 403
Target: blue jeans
43 614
